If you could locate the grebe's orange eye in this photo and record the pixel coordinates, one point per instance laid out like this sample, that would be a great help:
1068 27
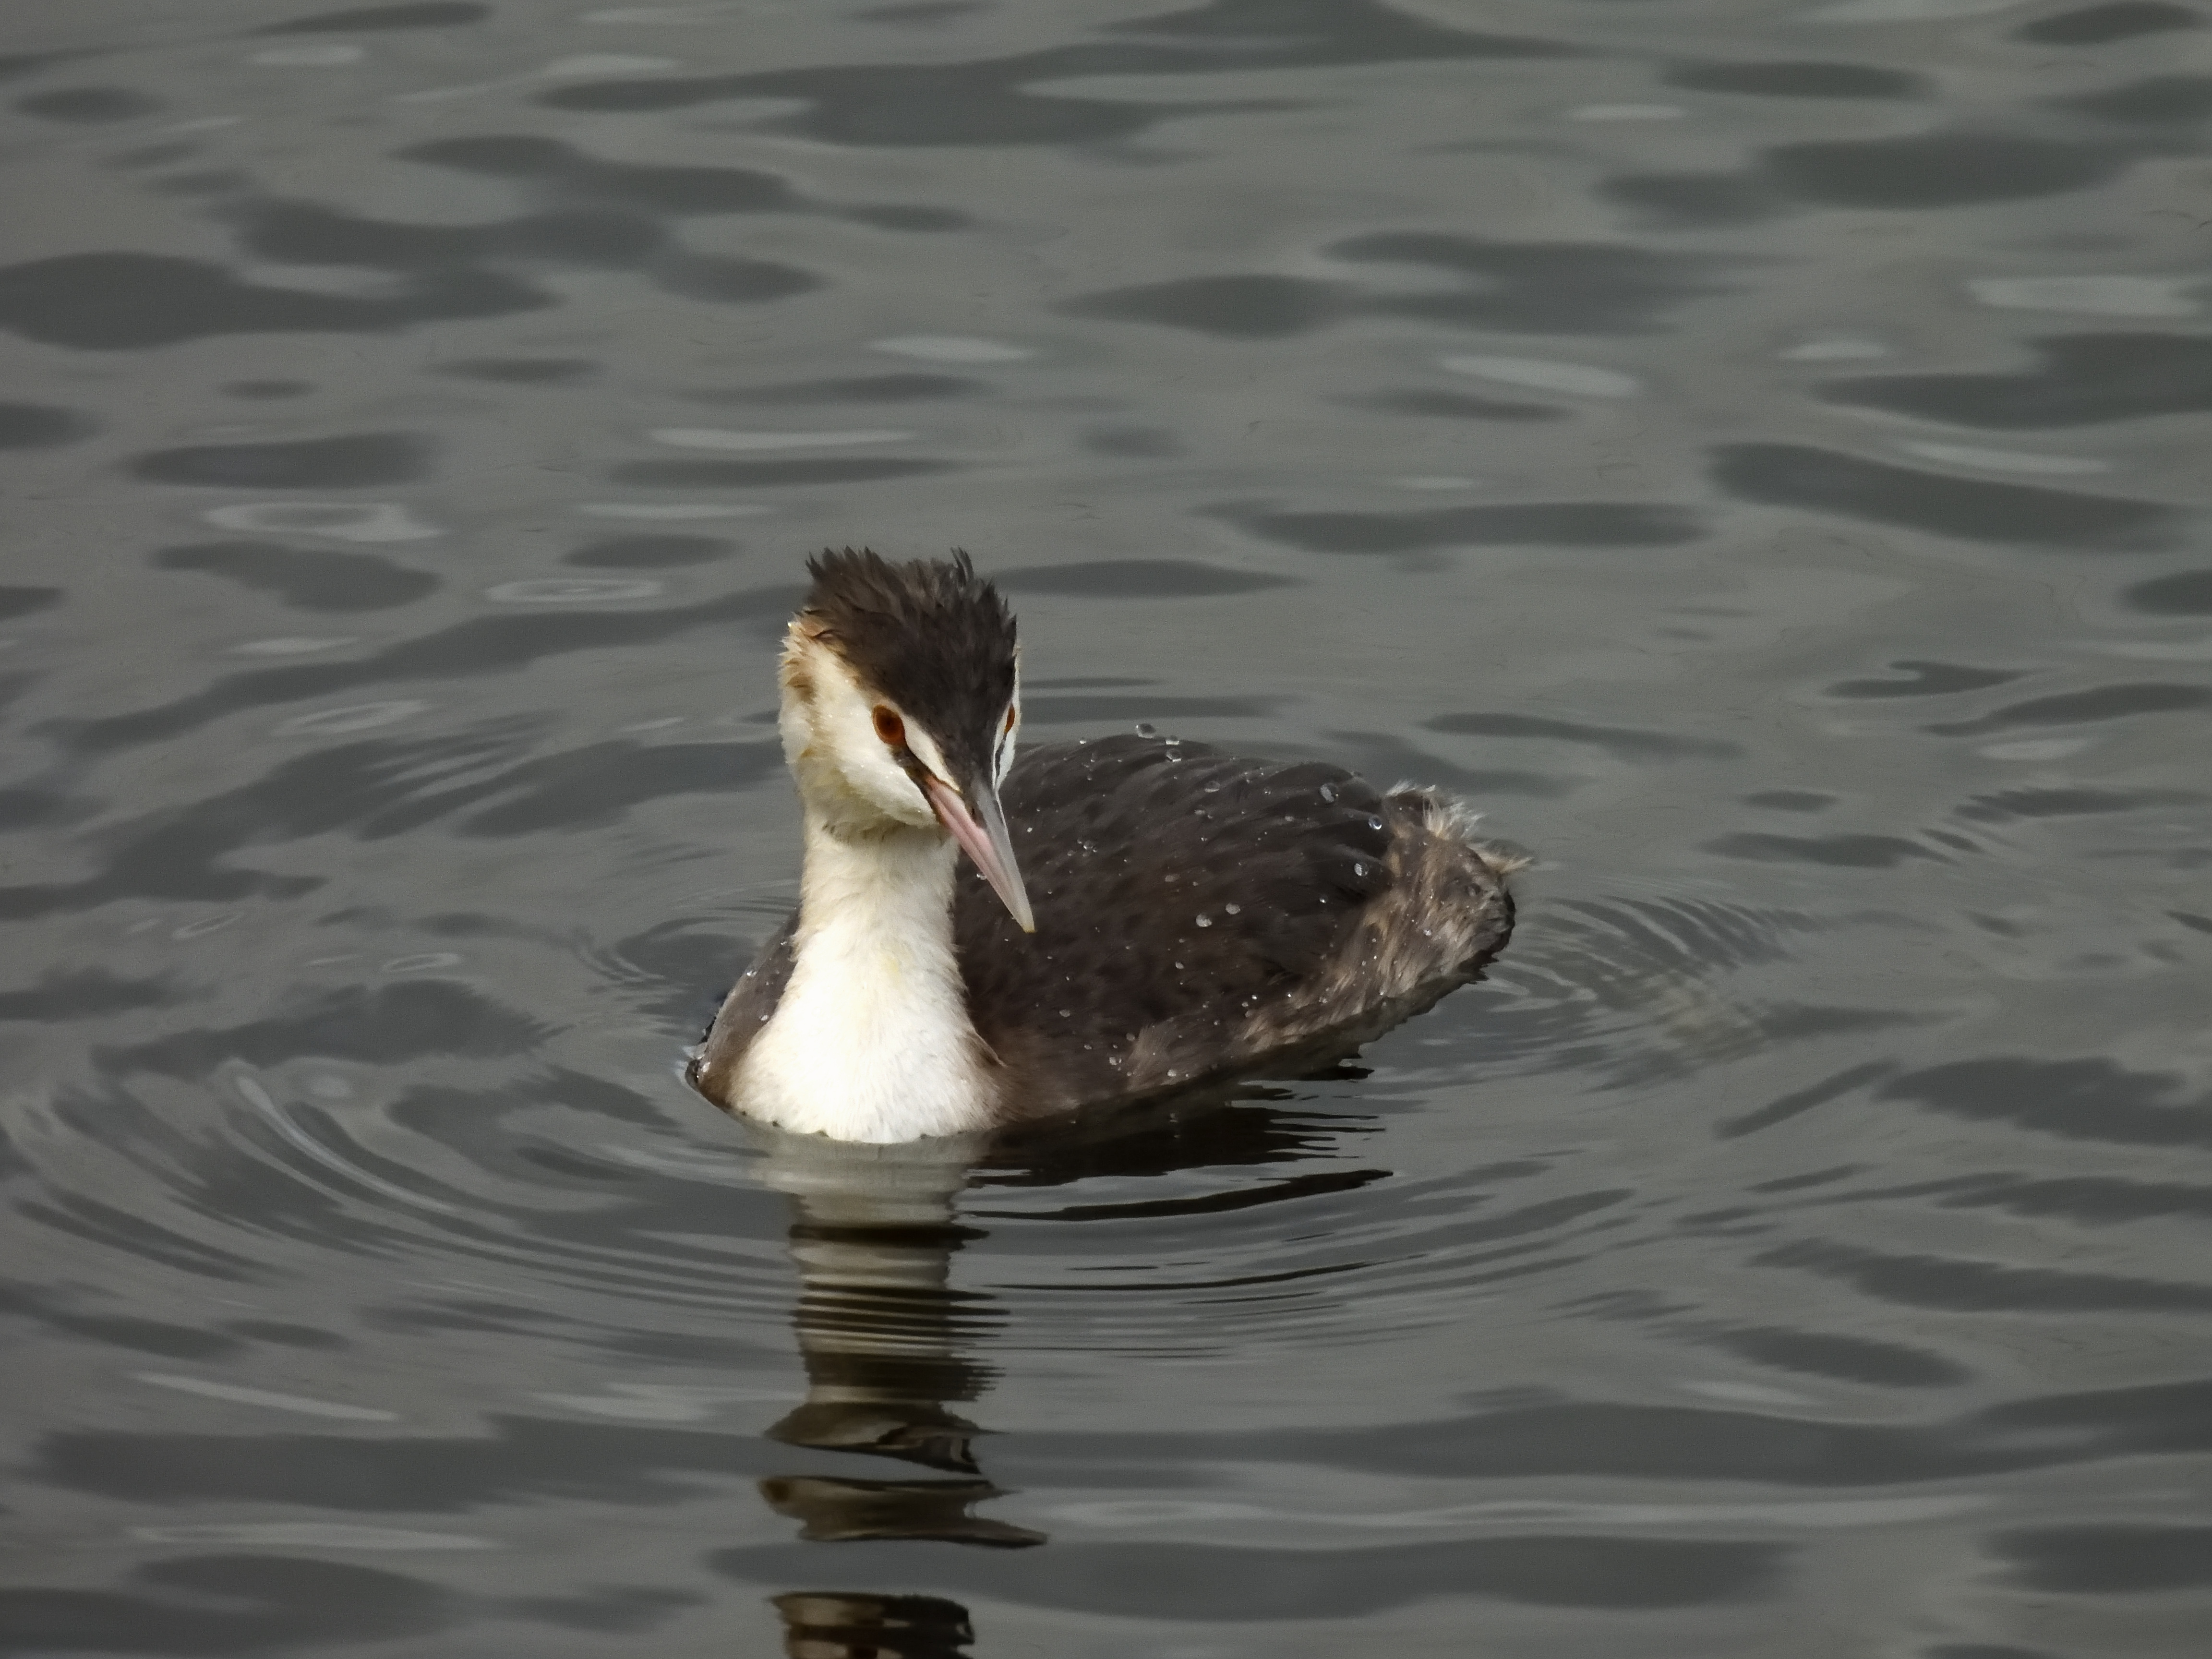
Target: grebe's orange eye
890 728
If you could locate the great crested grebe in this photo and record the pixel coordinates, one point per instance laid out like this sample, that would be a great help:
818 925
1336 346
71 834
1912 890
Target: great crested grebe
1187 915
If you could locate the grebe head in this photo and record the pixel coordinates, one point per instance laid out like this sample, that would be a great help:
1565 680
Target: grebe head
900 701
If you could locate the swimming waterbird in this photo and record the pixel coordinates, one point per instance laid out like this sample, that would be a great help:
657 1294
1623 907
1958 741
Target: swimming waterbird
1143 914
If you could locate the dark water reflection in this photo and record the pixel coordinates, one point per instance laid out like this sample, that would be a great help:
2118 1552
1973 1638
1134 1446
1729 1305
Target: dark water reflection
1756 452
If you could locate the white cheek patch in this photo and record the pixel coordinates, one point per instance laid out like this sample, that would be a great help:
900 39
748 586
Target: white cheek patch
843 738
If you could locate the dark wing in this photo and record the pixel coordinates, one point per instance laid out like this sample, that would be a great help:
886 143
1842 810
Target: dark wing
742 1013
1177 889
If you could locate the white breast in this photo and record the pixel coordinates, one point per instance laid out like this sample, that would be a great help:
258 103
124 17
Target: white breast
871 1040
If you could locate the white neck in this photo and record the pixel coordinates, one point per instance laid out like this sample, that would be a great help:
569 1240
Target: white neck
871 1040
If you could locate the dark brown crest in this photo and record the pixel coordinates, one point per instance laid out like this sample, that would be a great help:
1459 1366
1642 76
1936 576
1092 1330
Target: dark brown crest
930 636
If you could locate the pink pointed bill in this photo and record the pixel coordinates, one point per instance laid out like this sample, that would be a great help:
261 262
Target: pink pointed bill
985 840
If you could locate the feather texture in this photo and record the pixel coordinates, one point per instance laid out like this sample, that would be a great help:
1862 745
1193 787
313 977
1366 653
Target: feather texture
1197 915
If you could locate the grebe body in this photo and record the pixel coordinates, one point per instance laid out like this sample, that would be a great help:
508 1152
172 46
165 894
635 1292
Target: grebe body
1143 914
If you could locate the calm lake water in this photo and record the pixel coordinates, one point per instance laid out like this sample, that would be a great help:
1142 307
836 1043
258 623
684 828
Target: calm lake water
1756 452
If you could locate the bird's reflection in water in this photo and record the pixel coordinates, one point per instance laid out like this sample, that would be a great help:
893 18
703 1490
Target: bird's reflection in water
845 1624
891 1348
888 1344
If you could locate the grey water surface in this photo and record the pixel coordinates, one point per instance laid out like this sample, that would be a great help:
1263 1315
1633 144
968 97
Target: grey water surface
1758 453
